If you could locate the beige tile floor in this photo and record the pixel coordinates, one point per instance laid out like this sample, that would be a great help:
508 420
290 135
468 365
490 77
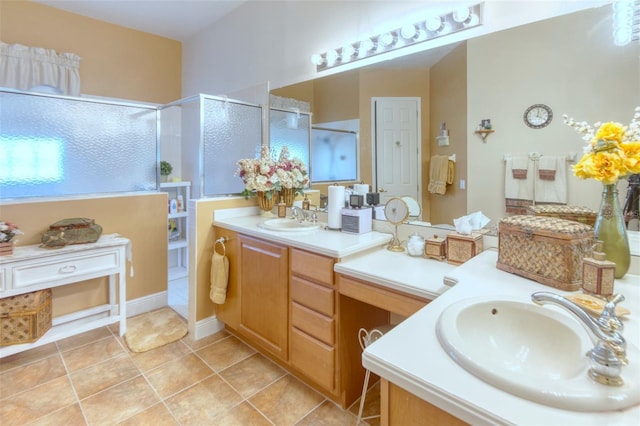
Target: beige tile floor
93 379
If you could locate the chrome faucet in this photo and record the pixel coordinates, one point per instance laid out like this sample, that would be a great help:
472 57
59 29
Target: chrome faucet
299 214
609 353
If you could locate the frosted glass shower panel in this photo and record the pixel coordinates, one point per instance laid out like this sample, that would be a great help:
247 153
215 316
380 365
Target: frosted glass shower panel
291 129
54 146
334 155
230 131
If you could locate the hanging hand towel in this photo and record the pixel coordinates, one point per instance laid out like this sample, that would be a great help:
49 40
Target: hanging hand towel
219 278
547 167
552 191
518 190
439 174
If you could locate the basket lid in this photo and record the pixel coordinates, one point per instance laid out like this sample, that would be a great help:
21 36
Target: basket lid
545 223
556 208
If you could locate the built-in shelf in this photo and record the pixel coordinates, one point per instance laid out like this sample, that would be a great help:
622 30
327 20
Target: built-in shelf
484 133
178 248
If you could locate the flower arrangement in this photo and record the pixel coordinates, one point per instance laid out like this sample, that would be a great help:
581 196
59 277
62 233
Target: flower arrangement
612 152
266 175
8 230
292 173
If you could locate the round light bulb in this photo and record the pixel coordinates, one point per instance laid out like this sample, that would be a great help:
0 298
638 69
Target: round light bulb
434 24
388 39
317 59
347 52
332 58
366 46
461 14
409 31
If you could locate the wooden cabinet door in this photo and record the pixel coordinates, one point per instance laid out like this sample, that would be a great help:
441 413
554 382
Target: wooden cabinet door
264 289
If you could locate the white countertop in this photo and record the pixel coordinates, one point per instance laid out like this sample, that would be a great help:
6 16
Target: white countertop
411 356
399 271
329 243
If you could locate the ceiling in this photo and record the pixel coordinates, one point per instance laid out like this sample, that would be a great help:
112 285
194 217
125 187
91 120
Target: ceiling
174 19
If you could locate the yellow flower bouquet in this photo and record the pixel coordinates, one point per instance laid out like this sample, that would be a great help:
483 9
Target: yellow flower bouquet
612 152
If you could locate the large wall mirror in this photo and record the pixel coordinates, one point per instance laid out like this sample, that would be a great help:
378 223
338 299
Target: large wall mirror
569 63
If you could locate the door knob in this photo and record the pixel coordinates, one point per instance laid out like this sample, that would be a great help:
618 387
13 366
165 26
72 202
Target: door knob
382 190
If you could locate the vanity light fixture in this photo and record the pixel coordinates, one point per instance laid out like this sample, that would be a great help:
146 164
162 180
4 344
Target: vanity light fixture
408 34
626 21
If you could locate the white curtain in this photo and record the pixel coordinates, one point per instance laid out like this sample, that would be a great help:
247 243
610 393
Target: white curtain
26 68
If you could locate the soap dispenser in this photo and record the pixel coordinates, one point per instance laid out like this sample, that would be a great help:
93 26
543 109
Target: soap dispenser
598 273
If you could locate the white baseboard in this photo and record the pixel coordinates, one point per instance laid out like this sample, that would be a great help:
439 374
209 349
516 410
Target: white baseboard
206 327
147 303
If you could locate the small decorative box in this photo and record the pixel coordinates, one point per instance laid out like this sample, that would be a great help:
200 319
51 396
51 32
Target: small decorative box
461 248
435 248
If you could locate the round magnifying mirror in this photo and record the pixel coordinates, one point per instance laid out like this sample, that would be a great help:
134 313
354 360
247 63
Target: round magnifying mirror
414 207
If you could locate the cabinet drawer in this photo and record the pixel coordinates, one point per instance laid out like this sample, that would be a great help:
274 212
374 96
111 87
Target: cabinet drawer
311 295
313 358
313 266
75 267
313 323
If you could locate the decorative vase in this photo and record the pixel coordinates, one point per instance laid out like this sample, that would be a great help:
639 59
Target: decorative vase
611 230
287 195
266 201
6 249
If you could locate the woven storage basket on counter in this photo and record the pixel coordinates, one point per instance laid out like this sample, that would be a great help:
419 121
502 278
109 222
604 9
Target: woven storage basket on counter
545 249
25 318
575 213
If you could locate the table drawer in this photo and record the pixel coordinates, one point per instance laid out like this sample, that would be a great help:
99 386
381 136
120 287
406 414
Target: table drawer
311 295
60 270
314 359
313 266
313 323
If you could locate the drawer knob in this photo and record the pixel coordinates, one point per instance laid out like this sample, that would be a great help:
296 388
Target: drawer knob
67 269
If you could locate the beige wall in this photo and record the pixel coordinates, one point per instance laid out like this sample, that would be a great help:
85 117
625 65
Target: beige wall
448 100
140 218
569 63
119 63
116 62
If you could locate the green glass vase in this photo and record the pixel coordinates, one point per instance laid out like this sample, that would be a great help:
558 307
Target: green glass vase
611 230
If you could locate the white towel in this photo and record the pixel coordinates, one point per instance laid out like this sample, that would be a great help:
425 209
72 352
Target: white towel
219 278
518 186
552 191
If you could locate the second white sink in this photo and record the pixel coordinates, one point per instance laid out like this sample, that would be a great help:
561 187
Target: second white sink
533 352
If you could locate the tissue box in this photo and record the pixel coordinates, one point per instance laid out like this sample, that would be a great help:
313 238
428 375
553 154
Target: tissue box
575 213
545 249
461 248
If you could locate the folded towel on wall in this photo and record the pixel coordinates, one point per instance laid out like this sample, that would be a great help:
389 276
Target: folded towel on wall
547 167
518 184
219 278
441 174
519 167
554 190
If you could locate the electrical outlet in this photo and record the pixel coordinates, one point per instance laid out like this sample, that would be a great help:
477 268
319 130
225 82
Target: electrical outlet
463 184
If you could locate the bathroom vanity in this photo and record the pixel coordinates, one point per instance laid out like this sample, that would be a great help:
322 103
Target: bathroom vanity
292 302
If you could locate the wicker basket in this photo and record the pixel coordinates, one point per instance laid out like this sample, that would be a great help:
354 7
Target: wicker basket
545 249
575 213
25 318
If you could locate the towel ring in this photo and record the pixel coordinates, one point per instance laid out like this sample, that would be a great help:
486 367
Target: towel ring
221 241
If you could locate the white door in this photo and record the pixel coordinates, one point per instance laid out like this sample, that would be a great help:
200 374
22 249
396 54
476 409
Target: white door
396 136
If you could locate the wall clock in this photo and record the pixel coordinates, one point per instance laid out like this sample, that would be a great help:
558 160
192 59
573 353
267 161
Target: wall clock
538 116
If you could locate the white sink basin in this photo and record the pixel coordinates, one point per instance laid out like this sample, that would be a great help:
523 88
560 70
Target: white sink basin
288 225
533 352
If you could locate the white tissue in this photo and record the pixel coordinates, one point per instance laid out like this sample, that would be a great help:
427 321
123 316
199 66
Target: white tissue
466 224
361 188
462 225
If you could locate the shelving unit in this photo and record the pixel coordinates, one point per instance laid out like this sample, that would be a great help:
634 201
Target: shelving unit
178 244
